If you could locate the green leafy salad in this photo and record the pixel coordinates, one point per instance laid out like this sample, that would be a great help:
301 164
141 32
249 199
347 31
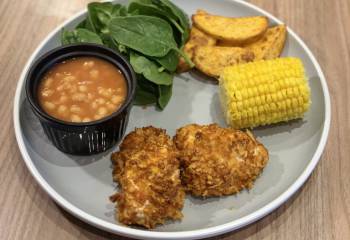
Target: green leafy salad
150 33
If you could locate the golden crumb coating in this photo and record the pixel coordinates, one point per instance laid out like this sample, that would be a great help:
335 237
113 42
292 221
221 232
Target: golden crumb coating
218 161
147 170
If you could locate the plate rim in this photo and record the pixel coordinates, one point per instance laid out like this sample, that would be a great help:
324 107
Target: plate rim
200 233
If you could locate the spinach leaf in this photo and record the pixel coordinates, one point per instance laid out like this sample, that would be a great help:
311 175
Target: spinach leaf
143 7
99 15
143 1
85 24
123 11
133 13
79 35
147 85
168 6
144 97
151 36
165 93
111 43
149 93
183 18
169 61
82 24
149 70
146 91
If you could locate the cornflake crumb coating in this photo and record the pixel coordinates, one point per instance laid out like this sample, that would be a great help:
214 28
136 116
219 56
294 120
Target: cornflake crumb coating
147 170
218 161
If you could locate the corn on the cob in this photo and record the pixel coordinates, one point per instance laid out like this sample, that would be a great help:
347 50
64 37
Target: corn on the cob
264 92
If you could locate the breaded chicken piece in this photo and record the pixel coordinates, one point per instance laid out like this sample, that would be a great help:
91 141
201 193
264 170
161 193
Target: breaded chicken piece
218 161
147 170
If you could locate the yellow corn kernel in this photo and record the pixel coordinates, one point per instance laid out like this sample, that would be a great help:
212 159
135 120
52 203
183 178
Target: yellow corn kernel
264 92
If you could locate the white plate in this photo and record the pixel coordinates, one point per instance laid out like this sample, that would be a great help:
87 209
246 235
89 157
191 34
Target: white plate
82 184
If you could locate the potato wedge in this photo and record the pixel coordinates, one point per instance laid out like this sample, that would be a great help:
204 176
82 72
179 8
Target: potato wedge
271 44
201 11
239 30
182 66
211 60
197 38
224 43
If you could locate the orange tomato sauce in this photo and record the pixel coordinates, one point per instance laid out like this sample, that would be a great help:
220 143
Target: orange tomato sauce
82 89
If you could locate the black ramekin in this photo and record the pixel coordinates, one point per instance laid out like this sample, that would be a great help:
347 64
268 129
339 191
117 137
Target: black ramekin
81 138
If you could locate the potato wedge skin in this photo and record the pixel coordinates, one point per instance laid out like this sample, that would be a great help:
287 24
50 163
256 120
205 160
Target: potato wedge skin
211 60
197 38
271 44
182 66
239 30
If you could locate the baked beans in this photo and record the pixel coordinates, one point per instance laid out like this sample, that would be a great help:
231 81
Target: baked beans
82 89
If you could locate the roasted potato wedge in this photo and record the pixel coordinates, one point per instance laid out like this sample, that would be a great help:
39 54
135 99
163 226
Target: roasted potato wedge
271 44
240 30
224 43
197 38
211 60
182 66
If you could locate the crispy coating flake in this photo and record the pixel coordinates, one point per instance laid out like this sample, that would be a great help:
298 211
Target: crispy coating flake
147 170
218 161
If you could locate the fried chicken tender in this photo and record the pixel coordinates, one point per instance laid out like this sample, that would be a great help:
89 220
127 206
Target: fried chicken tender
218 161
147 170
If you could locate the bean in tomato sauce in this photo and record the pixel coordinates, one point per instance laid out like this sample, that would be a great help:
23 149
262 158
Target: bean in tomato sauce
82 89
